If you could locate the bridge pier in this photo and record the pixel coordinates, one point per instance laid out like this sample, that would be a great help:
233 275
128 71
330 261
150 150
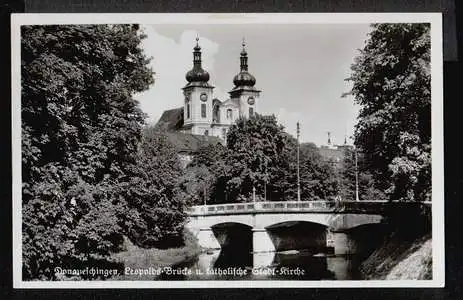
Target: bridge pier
262 259
207 239
343 243
261 241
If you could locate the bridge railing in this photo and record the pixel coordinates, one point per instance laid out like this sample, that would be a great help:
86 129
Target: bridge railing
274 206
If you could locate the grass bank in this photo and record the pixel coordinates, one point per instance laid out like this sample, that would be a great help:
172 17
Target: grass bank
145 262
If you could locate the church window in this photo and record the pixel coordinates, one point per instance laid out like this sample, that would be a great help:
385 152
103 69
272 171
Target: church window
251 111
229 114
216 117
188 110
203 110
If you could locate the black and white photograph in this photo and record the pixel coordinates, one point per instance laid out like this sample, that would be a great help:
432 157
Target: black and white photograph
227 150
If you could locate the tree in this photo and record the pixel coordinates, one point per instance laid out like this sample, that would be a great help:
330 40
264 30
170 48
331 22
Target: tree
201 174
196 184
208 155
392 84
80 133
347 177
318 178
156 212
254 147
262 155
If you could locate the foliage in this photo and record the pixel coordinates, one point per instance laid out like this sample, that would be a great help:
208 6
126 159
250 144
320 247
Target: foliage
255 147
80 133
208 156
366 184
156 213
197 182
392 84
261 155
318 178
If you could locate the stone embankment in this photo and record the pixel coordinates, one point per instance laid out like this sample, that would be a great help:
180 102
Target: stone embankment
400 259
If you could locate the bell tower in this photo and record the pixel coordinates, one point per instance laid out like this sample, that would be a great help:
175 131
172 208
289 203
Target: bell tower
197 113
244 93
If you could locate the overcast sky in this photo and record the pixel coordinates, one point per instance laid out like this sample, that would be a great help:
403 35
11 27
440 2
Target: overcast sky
299 68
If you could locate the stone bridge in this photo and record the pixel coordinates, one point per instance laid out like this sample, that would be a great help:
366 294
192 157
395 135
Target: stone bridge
342 227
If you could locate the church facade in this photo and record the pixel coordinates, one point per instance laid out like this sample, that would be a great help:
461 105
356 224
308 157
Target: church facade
205 115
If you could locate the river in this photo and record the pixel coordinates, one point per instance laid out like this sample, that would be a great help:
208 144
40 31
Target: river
290 265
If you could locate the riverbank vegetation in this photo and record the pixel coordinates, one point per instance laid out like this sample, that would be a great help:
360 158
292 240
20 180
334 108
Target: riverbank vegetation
141 260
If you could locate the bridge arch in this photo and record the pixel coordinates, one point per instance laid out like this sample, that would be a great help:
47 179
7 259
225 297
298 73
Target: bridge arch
233 235
214 220
273 219
298 235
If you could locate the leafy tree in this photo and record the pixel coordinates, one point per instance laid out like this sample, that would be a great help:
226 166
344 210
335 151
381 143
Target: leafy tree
318 178
261 155
156 213
197 182
366 184
80 133
392 84
208 156
254 148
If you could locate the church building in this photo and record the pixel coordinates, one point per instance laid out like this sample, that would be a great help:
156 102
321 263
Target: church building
204 119
203 114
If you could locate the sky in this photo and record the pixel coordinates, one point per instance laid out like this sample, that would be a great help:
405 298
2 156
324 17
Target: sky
300 69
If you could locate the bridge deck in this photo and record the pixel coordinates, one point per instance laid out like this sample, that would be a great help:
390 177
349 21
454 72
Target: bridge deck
297 206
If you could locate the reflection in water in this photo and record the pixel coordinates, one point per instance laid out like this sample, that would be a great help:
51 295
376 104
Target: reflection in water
296 265
233 258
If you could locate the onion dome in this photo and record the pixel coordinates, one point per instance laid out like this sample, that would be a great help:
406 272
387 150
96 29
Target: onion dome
197 74
244 78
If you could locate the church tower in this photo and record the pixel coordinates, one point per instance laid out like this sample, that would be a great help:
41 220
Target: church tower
244 93
197 112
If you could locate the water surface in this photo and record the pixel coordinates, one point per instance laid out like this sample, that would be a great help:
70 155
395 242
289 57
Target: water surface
290 265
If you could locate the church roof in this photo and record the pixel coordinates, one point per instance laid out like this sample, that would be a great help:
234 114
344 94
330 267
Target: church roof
229 102
171 119
191 143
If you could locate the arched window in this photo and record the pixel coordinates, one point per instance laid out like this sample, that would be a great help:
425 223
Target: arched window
203 110
188 109
216 115
229 114
251 111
